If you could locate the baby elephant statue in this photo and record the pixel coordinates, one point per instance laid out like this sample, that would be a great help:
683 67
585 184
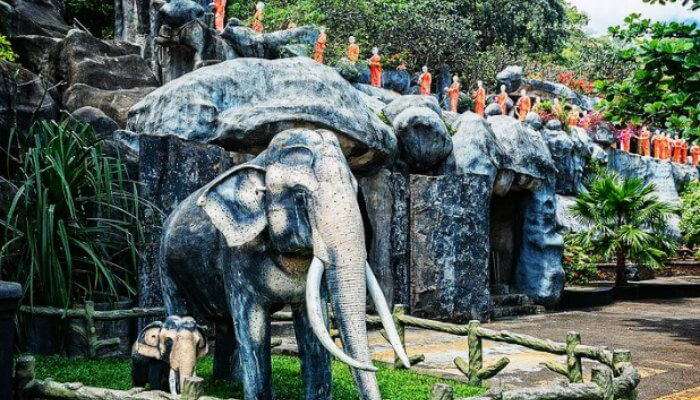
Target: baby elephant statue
165 353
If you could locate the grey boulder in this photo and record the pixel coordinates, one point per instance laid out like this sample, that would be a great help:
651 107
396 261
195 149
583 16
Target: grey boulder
98 120
401 103
511 77
241 104
247 43
114 103
424 142
33 17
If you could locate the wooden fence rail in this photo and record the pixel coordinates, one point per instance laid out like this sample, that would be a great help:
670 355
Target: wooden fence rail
616 379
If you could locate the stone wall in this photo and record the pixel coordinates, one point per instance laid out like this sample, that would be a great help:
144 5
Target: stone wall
449 230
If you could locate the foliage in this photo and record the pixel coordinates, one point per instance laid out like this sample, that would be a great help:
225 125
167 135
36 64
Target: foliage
6 53
694 4
690 214
626 220
71 230
579 265
664 87
429 32
286 378
96 15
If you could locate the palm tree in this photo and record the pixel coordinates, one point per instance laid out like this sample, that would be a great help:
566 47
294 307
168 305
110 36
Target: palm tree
625 220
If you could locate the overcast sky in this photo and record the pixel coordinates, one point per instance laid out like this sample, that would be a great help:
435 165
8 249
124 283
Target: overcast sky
604 13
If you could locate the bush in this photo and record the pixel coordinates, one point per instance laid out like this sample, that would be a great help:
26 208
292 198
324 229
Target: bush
71 230
96 15
579 266
6 53
690 214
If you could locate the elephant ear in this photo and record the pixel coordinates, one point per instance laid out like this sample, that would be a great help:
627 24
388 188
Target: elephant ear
148 341
235 203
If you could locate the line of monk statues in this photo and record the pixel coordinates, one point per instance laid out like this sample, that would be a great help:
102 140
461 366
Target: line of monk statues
664 146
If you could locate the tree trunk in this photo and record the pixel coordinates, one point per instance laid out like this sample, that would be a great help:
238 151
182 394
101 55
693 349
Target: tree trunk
620 268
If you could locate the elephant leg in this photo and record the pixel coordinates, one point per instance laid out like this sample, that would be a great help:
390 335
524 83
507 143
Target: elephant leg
225 351
251 321
315 360
173 297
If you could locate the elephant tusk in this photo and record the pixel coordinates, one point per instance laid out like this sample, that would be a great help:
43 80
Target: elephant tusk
316 320
172 379
375 291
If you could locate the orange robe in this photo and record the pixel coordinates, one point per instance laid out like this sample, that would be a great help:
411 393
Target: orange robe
257 24
666 148
643 145
695 155
524 105
375 71
684 151
353 52
656 143
502 100
219 14
573 119
479 101
320 47
453 94
424 82
677 151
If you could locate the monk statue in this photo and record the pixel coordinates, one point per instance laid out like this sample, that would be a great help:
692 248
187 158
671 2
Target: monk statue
643 142
425 80
695 154
320 46
353 50
502 100
291 25
656 143
523 106
453 93
676 149
375 68
402 66
219 14
574 116
256 24
684 151
479 97
625 138
666 147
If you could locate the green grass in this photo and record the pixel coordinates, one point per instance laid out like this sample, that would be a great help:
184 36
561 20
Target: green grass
287 382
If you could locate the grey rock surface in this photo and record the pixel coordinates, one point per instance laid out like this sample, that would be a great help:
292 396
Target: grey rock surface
394 80
399 104
33 17
176 13
558 90
424 142
114 103
385 195
83 58
241 104
603 135
449 247
566 222
534 120
539 272
386 96
554 125
570 155
24 97
103 125
33 50
247 43
511 77
492 109
476 149
170 169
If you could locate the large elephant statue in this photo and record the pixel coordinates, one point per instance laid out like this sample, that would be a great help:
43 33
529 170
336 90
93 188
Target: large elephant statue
271 232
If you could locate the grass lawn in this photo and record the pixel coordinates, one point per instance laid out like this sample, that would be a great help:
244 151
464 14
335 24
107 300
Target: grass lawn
115 374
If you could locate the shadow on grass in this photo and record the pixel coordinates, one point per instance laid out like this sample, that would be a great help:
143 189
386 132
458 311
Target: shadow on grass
287 382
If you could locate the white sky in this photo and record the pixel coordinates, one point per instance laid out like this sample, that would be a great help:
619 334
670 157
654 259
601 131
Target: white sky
604 13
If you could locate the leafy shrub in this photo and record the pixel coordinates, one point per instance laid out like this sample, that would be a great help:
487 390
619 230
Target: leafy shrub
579 265
664 87
690 214
6 53
71 230
96 15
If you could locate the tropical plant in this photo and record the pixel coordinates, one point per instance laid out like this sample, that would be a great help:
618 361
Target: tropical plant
71 229
694 4
579 265
6 53
664 87
625 220
690 215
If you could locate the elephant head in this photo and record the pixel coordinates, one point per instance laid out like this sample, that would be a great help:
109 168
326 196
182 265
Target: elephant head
303 183
178 341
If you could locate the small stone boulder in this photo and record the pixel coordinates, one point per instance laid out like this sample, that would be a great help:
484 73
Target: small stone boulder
397 106
511 77
24 98
384 95
554 125
33 17
103 125
534 120
247 43
424 142
114 103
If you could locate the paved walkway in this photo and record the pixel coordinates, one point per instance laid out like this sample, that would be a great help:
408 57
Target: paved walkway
663 336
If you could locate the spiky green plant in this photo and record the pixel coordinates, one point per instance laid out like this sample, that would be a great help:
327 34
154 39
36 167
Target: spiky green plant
625 220
71 230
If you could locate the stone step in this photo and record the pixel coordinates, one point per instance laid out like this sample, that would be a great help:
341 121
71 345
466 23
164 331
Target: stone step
500 313
507 300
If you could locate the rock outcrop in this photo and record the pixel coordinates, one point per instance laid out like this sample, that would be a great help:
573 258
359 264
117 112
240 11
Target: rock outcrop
424 142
